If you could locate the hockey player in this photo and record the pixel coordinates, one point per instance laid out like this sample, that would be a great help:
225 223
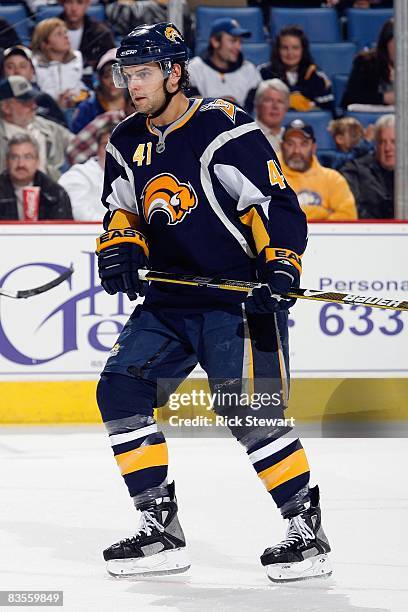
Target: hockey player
192 186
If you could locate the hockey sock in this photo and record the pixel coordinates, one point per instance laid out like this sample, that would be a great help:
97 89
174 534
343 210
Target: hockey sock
141 453
282 466
139 448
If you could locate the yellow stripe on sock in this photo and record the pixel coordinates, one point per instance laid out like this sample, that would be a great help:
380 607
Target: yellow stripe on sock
142 458
294 465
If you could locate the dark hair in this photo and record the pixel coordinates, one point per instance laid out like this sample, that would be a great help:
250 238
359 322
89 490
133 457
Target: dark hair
217 36
277 66
184 82
381 51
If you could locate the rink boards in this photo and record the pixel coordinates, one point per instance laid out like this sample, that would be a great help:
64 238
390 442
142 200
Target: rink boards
53 346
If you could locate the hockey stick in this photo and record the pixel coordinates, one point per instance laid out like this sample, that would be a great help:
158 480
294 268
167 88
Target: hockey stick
26 293
217 282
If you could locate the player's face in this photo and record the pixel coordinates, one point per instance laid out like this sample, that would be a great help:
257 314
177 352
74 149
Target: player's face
272 108
386 148
290 51
298 151
75 10
145 84
228 48
22 163
18 65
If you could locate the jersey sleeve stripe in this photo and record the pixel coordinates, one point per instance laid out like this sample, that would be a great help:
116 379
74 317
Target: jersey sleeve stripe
110 148
206 182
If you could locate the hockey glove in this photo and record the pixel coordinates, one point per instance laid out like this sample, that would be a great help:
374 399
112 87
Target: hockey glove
121 253
279 276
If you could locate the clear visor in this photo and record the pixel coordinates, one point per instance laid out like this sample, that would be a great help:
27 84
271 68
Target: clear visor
142 74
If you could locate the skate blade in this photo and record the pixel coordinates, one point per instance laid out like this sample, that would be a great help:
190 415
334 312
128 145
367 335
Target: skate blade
314 567
161 564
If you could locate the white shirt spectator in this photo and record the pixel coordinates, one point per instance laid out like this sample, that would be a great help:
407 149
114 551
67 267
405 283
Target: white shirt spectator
83 183
234 85
274 139
55 78
75 37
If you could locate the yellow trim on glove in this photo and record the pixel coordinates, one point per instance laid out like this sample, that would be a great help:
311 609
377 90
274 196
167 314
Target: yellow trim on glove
272 253
122 219
253 220
118 236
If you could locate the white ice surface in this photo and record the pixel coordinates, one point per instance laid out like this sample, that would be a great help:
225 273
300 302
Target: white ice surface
62 501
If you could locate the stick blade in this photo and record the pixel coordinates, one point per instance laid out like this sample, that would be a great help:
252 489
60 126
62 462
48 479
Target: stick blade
26 293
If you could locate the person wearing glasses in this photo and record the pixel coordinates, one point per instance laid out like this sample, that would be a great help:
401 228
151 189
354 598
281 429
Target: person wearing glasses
22 171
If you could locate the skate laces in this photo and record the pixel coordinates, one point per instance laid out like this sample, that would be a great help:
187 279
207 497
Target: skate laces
149 522
298 530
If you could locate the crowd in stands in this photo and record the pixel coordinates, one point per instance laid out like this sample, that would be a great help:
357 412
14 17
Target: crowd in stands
59 105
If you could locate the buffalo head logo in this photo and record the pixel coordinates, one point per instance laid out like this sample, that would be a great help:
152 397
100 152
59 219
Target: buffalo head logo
172 34
166 194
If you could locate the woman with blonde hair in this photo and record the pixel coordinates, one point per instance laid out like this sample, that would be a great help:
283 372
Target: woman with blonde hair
58 67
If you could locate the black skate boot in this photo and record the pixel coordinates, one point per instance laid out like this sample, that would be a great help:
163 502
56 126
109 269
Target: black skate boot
159 546
303 552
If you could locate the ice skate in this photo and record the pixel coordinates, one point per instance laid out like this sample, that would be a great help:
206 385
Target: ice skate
303 554
158 547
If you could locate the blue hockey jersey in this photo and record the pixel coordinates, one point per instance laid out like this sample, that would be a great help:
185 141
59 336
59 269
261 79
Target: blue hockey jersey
209 193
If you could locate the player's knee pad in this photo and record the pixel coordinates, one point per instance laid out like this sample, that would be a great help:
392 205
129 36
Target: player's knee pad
120 397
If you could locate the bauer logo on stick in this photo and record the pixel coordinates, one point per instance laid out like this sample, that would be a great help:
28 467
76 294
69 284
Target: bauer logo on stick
363 299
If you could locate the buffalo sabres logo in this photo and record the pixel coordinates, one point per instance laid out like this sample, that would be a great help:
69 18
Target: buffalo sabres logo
172 34
226 107
164 193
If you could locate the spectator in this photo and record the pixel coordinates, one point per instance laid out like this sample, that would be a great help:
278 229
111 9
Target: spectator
22 162
84 145
371 80
322 192
126 15
349 137
271 103
371 178
58 67
291 61
18 61
86 35
84 182
222 72
106 97
8 35
18 114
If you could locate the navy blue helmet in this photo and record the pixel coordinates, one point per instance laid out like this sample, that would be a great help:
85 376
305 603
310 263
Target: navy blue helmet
152 43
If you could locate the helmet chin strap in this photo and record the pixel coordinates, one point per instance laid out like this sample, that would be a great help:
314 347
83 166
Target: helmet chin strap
168 96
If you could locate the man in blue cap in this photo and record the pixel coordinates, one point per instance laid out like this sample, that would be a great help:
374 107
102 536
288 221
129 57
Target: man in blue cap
222 72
